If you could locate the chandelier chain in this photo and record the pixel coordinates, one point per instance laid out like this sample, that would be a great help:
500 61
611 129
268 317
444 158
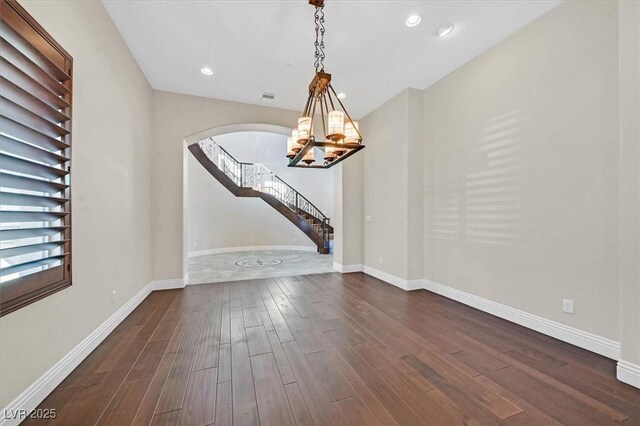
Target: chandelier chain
340 135
319 43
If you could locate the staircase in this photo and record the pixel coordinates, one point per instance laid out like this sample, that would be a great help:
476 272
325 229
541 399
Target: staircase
255 180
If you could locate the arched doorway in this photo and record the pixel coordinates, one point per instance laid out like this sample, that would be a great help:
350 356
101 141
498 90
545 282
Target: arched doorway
229 237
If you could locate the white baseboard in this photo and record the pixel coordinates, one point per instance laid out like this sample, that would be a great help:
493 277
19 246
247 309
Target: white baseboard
629 373
406 285
345 269
248 248
43 386
169 284
415 284
626 372
580 338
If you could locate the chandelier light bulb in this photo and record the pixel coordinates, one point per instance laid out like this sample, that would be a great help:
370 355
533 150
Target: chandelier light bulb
292 148
351 132
304 129
335 132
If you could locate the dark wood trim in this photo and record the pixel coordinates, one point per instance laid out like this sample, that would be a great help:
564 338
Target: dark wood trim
297 220
55 62
22 291
6 307
43 33
297 160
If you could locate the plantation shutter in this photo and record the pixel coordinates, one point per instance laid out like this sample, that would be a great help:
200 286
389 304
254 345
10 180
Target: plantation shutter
35 140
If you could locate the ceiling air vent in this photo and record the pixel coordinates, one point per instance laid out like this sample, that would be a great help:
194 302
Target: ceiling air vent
268 97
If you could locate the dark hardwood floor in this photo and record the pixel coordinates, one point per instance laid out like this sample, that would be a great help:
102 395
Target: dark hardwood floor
333 349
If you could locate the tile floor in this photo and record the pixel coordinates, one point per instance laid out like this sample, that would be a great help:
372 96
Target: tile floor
246 265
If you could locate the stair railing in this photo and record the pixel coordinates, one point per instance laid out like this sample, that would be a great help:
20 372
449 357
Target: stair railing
224 161
260 178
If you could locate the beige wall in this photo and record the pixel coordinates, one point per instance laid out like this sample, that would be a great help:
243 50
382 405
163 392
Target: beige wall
385 186
111 232
176 117
349 212
503 179
392 186
415 187
629 43
521 170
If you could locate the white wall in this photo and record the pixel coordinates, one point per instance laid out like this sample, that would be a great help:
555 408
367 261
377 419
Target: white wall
218 219
111 203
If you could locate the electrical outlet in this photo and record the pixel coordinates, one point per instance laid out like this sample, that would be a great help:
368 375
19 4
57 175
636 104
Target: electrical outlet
381 260
113 296
368 219
567 306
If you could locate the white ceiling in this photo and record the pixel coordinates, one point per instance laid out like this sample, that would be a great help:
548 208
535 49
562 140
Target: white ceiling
267 46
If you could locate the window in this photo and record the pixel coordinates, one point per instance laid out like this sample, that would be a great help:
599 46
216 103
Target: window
35 153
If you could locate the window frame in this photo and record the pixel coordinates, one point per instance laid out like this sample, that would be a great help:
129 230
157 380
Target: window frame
22 291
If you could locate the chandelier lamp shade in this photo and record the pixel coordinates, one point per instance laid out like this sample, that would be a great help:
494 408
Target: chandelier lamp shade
325 123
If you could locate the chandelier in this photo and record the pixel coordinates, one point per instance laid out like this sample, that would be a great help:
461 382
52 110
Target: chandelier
340 135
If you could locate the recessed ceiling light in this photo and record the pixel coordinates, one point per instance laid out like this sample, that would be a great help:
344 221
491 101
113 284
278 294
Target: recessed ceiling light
342 95
413 20
445 30
206 71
